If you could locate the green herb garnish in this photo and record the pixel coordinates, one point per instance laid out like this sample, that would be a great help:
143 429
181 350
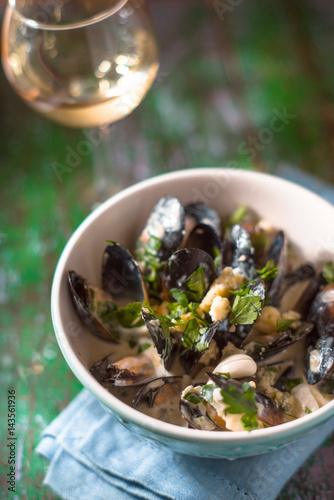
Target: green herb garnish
242 402
192 397
290 383
239 215
245 308
143 347
269 271
307 410
196 284
283 324
207 392
132 344
328 271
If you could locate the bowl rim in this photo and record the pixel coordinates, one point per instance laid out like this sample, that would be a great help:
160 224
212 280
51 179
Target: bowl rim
129 414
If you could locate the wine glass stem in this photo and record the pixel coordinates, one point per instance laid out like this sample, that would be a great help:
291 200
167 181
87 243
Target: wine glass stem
107 177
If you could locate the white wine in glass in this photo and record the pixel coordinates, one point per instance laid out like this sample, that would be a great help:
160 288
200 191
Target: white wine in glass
80 63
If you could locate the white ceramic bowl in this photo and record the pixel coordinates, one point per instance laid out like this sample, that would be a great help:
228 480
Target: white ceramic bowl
308 222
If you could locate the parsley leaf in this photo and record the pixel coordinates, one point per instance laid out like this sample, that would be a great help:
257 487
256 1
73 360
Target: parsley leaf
192 397
269 271
307 410
242 402
128 315
143 347
191 334
290 383
207 392
283 324
239 215
245 308
328 271
180 296
196 284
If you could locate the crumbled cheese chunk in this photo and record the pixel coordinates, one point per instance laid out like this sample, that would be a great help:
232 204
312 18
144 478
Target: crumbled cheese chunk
222 287
267 320
220 308
292 315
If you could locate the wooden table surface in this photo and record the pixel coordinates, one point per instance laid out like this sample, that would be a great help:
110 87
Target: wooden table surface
227 67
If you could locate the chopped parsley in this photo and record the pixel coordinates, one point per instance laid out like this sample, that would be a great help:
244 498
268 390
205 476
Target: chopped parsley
143 347
196 284
239 215
148 254
307 410
242 402
328 271
192 397
290 383
207 392
192 336
269 271
245 308
283 324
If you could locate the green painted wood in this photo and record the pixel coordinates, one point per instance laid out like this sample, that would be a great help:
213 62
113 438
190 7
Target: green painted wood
220 82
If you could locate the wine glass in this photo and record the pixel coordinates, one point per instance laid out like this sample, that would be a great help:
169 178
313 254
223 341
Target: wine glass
81 63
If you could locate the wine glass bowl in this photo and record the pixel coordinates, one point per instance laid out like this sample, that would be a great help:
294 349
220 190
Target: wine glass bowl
82 64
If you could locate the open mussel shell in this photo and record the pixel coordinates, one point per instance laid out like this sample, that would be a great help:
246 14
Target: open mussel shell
320 362
284 341
277 253
166 225
163 339
268 411
203 214
160 398
158 392
191 356
322 312
87 300
127 372
121 276
183 263
243 260
195 412
205 238
305 301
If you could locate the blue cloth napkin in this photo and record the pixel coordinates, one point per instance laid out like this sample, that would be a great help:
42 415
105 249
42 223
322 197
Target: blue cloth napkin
92 456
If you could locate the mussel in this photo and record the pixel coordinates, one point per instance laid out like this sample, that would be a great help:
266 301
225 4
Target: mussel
320 358
94 306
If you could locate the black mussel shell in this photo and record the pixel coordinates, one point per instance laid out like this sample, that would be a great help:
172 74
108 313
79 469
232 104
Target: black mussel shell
268 410
164 342
130 371
195 414
183 263
322 312
205 238
190 356
165 387
320 362
165 224
203 214
277 253
121 276
305 301
285 340
243 261
84 298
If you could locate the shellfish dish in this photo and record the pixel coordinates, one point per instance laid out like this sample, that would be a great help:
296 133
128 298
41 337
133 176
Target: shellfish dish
211 324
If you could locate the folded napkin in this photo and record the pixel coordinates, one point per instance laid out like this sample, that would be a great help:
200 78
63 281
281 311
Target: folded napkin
92 456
